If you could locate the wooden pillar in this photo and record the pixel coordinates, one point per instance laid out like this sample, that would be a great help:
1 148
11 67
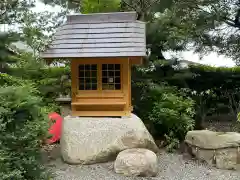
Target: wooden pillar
74 83
127 86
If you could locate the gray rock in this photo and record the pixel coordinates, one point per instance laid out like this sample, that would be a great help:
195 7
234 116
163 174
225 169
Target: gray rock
206 155
96 140
227 158
136 162
216 148
213 140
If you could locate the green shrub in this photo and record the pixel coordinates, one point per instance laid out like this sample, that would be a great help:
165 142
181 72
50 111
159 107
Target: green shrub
172 143
7 80
165 110
50 82
171 111
48 101
23 127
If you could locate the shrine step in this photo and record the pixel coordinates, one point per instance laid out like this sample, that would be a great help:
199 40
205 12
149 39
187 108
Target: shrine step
102 102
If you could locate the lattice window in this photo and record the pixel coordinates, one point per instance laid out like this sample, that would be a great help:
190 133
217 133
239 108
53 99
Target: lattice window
88 77
111 76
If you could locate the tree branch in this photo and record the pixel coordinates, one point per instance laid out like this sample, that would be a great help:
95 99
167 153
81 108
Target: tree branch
132 7
232 24
3 13
237 20
151 4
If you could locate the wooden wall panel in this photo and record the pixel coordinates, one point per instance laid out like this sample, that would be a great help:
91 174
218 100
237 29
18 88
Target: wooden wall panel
89 103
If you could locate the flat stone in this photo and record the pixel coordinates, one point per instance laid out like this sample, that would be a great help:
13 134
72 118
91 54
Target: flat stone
136 162
213 140
216 148
87 140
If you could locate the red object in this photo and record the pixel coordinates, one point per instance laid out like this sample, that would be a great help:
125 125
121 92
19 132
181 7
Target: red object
56 127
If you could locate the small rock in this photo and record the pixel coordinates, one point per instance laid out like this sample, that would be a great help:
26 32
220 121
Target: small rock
136 162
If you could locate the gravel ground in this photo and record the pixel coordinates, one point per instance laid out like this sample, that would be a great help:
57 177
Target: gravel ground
171 167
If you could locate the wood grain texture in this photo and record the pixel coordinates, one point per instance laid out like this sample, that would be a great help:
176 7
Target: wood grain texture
102 102
100 113
73 82
129 105
136 60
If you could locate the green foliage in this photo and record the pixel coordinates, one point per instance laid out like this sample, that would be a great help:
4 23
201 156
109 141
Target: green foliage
13 11
7 80
73 5
23 114
172 143
171 111
165 110
218 87
200 25
215 90
37 29
23 127
96 6
216 24
6 52
50 81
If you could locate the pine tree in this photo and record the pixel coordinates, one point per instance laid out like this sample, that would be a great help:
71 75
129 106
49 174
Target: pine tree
6 52
11 13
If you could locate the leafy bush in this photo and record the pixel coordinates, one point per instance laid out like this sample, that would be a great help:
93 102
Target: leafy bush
8 80
50 81
172 143
171 111
165 110
23 127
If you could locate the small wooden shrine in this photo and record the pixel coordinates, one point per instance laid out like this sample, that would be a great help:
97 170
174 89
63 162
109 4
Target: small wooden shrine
102 47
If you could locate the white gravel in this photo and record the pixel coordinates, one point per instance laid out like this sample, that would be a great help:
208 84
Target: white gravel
171 167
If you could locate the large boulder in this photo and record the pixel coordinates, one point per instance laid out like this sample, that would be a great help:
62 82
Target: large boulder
95 140
221 149
136 162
